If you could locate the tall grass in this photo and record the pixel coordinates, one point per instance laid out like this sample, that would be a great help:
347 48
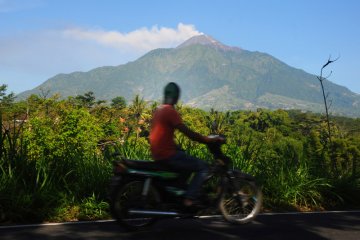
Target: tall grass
59 170
284 173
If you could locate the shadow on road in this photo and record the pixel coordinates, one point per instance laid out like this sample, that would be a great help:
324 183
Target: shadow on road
301 226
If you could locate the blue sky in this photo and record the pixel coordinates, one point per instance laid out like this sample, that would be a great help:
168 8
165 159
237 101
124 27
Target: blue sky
42 38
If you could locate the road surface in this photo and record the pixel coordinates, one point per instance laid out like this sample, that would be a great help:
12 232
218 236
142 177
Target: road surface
329 225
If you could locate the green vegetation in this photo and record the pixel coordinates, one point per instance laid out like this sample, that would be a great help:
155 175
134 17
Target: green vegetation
55 159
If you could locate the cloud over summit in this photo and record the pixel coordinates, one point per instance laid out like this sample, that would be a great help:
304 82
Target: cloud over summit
142 39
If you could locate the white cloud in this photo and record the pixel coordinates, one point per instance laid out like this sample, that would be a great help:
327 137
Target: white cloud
143 39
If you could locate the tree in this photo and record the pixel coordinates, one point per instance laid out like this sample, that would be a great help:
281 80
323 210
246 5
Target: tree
6 101
218 121
136 110
325 96
86 100
2 94
118 102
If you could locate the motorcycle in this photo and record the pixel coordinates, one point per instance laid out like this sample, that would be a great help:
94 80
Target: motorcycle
143 192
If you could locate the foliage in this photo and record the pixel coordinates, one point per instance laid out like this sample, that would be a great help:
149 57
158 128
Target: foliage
118 102
57 154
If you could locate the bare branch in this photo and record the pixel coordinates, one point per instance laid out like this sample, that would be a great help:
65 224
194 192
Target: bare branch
330 104
328 75
330 61
327 95
320 79
327 63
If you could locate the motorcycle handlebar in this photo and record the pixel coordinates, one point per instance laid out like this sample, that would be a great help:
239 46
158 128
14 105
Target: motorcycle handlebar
215 147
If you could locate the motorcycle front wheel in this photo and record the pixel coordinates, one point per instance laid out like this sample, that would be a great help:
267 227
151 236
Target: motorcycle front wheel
128 197
240 201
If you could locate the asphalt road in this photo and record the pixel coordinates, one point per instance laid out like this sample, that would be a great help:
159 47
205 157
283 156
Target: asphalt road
329 225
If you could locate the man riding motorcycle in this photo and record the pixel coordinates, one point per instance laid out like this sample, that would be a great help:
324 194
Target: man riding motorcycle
164 150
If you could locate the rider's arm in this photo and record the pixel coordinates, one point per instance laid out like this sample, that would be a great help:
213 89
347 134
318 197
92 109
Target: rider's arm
193 135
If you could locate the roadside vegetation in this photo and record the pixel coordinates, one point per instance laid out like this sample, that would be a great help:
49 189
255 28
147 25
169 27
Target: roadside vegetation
55 154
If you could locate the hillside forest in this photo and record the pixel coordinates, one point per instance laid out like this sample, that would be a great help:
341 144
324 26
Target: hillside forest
56 154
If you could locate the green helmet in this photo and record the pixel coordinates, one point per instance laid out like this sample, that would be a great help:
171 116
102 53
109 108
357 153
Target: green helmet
171 93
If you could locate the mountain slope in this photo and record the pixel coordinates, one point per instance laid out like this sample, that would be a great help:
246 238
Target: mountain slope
208 71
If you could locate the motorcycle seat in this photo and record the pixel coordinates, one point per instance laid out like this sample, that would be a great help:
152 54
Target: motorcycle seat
146 165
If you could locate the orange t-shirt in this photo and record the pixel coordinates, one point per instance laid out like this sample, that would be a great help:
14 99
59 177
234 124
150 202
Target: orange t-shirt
164 121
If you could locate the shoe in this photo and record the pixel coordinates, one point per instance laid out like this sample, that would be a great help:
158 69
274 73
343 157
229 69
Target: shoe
194 207
190 209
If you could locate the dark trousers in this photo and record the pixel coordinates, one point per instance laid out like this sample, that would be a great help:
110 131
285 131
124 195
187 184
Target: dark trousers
185 165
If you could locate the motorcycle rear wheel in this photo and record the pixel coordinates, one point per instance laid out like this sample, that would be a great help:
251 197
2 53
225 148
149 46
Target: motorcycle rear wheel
240 201
128 196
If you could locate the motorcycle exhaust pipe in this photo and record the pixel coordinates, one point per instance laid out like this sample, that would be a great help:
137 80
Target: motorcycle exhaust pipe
153 213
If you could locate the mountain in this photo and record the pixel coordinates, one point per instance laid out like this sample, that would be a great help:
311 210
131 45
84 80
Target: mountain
211 75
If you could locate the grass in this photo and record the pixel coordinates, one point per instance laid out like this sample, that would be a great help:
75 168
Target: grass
42 194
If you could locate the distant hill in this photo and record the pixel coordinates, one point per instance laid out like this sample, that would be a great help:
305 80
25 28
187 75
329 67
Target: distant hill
211 75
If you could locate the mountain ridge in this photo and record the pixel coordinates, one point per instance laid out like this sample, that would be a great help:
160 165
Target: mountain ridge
207 41
205 68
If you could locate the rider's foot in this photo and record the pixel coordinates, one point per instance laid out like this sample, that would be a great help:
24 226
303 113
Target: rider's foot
188 202
192 206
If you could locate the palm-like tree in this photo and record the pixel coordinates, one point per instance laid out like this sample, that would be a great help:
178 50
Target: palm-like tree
137 111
